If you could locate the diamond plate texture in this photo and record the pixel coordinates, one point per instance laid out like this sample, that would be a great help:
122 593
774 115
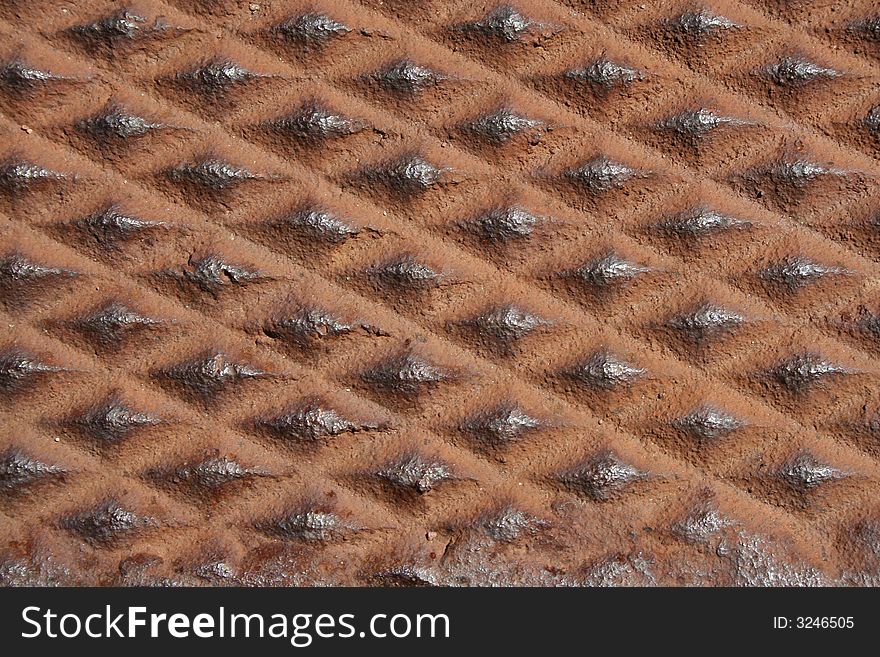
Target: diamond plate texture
439 293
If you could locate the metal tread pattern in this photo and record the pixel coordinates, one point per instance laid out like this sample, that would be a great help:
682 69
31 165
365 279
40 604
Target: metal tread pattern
439 293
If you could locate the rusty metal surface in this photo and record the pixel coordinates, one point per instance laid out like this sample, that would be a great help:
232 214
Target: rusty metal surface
439 292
